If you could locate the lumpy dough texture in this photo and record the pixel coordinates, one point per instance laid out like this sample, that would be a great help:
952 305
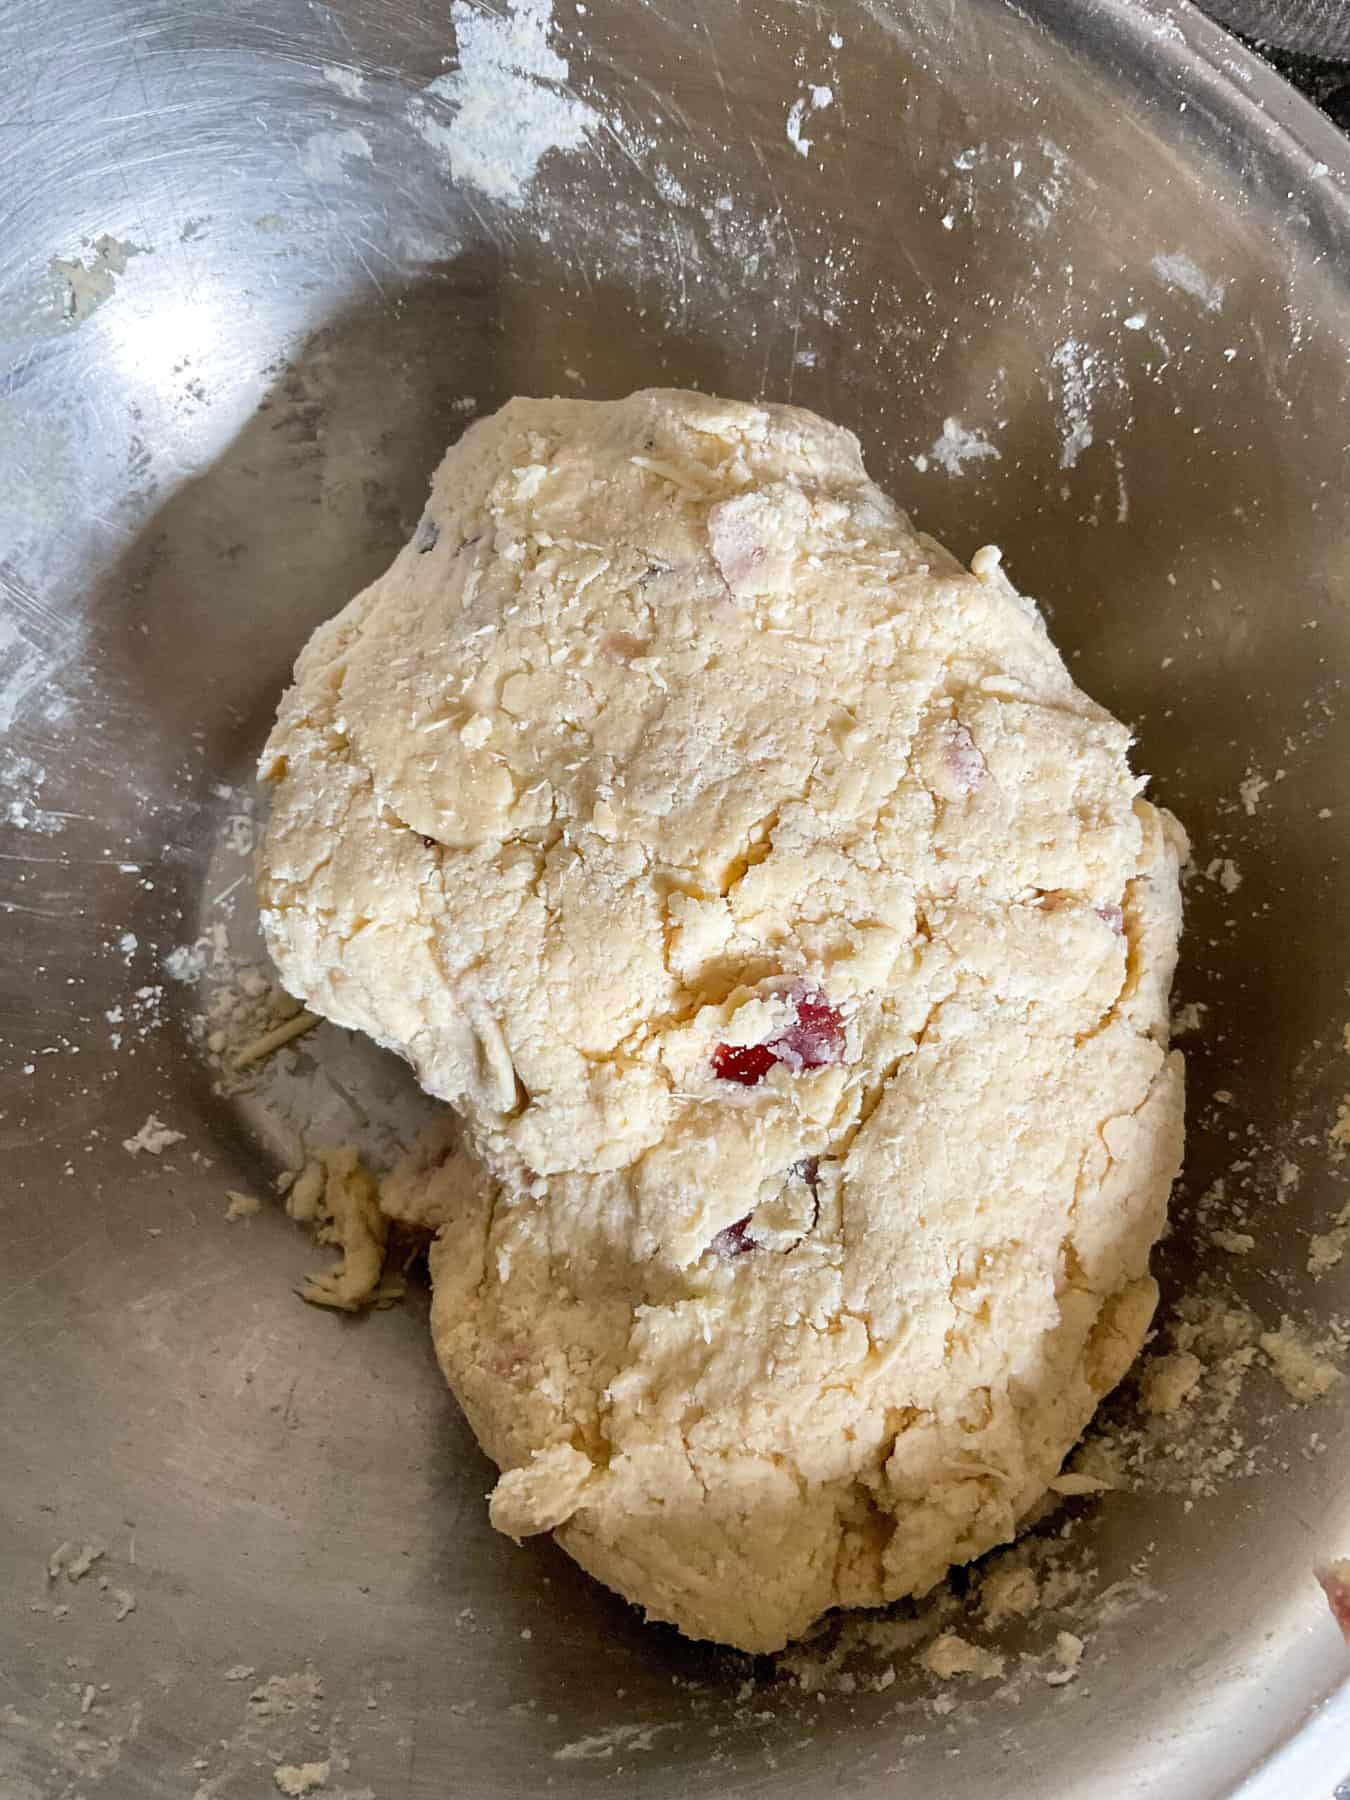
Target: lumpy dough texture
792 938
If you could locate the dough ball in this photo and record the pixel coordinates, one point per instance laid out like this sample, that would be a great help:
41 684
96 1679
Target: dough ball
791 935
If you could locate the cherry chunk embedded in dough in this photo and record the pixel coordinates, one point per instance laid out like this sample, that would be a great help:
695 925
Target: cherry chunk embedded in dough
814 1037
747 1064
962 760
732 1240
735 1239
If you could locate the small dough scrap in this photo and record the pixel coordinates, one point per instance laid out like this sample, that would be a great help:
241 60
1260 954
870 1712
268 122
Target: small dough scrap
1169 1380
951 1655
793 939
297 1779
1303 1373
1068 1655
1009 1591
1071 1483
154 1137
349 1217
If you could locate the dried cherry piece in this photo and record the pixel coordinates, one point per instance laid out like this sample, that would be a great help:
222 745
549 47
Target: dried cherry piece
814 1037
732 1240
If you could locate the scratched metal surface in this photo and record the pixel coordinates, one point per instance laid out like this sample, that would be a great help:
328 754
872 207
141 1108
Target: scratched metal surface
244 302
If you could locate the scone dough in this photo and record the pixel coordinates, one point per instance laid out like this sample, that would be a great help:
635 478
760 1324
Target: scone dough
791 935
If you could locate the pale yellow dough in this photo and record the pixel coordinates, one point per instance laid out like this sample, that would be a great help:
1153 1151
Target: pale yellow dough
666 718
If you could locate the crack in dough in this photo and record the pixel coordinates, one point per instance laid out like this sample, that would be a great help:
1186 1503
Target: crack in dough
668 715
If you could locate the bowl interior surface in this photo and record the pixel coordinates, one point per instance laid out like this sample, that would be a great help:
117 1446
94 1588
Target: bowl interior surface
1077 276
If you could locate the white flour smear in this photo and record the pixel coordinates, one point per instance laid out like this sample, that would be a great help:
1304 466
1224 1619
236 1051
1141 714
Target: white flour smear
816 99
603 1745
21 782
1179 271
348 82
954 448
1077 367
34 646
496 116
327 154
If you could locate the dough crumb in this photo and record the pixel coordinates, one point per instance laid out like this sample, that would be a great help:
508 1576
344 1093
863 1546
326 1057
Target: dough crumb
1072 1482
248 1018
1101 1461
154 1137
1235 1243
295 1779
1010 1592
1068 1657
348 1217
1168 1381
1250 790
283 1694
1302 1372
1190 1449
1225 872
241 1206
1328 1247
304 1191
74 1564
260 1048
1325 1251
951 1655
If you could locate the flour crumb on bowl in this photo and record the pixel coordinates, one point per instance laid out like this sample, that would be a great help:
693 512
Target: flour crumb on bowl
154 1137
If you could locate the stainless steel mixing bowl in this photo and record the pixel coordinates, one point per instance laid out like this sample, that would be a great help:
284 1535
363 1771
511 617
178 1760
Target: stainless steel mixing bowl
1077 274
